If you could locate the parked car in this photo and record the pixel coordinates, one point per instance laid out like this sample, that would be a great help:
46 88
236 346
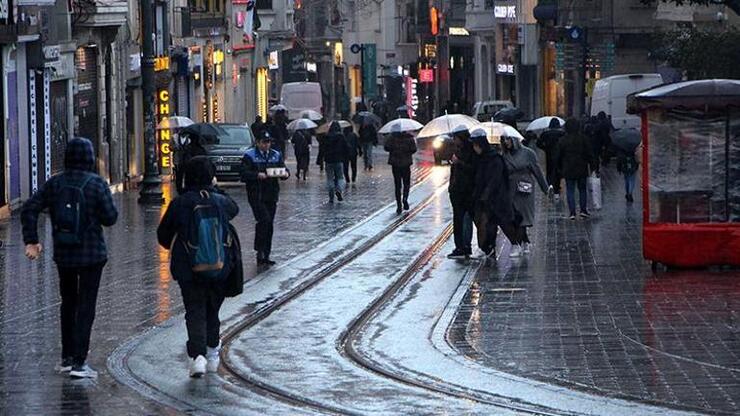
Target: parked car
610 96
227 149
484 110
300 96
443 149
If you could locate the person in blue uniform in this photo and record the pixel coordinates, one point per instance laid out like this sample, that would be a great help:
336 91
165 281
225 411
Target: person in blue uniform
263 189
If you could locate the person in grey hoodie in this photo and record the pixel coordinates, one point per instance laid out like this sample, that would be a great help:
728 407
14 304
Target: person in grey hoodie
524 171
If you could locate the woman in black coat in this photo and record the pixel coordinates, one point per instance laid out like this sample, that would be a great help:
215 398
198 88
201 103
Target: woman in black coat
353 150
400 147
302 148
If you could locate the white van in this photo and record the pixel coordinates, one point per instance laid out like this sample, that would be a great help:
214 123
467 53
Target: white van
300 96
610 96
484 110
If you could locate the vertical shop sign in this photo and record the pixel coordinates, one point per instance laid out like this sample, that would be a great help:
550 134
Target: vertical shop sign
47 125
412 98
33 131
369 70
165 135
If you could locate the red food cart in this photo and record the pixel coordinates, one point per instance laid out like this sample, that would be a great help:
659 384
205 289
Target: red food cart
691 172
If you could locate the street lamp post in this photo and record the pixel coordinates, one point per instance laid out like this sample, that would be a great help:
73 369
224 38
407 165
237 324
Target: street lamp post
151 186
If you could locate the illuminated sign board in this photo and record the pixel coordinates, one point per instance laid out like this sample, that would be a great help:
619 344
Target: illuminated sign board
164 136
161 63
459 31
505 69
412 98
505 12
426 76
273 60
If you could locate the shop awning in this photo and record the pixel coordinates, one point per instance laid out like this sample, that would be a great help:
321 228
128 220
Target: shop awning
707 94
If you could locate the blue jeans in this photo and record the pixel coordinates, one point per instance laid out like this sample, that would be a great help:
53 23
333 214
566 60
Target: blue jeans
334 178
367 155
570 185
629 182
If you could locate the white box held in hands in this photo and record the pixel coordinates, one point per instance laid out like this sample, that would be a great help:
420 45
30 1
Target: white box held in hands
277 172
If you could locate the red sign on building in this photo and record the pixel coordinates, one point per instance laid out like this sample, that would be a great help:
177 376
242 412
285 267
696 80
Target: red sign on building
426 76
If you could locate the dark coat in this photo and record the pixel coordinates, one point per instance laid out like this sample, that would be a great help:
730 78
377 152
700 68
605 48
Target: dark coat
353 145
462 175
253 163
301 142
79 162
334 146
574 156
176 222
280 135
400 149
368 134
492 192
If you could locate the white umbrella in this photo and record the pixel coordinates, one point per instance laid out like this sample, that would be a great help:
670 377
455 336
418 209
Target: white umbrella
311 115
301 124
401 125
278 107
174 122
325 127
497 130
445 124
543 123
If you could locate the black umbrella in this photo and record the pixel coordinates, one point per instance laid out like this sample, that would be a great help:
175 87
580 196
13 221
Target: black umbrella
510 113
364 118
208 132
626 140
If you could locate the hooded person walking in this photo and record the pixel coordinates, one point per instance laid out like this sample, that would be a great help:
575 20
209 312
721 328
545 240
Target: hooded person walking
334 150
574 159
492 204
548 142
198 261
401 147
462 182
80 205
524 170
302 148
353 150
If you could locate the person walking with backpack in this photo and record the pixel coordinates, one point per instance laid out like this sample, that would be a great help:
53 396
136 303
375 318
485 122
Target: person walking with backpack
334 150
260 164
574 159
628 164
368 140
80 205
195 228
302 148
400 147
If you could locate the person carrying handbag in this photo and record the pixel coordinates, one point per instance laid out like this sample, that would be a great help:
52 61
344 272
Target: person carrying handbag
524 171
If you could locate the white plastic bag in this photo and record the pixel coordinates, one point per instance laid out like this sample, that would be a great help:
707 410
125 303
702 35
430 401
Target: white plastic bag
594 192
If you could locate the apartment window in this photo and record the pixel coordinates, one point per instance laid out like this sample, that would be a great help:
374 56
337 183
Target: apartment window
264 4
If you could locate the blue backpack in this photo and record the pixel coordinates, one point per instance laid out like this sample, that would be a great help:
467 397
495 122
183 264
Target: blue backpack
208 238
69 218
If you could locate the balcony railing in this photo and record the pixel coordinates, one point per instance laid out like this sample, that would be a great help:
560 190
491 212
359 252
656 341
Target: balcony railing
99 13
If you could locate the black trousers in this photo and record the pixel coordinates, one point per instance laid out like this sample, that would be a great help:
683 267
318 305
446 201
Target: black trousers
350 163
402 176
462 224
553 176
264 213
78 287
202 303
487 228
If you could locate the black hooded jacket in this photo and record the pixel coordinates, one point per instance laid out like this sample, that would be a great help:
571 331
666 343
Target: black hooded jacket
492 190
462 174
334 146
79 164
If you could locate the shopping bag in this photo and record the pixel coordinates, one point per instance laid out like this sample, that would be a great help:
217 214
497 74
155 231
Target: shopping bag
594 192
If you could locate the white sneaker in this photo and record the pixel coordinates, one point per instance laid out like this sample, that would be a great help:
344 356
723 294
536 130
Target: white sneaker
516 251
213 359
83 371
198 366
65 366
526 248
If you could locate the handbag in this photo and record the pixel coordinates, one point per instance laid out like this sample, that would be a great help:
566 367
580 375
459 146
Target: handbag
594 192
524 187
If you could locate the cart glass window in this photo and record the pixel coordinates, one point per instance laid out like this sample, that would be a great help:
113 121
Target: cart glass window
688 167
734 176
